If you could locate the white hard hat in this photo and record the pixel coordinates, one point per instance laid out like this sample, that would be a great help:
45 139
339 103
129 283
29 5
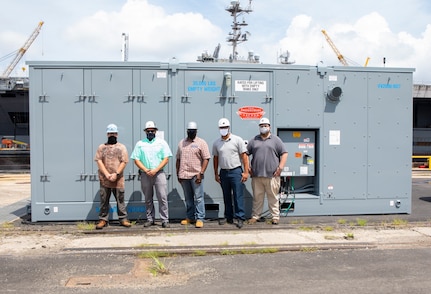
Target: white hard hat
223 122
264 121
150 125
111 128
192 126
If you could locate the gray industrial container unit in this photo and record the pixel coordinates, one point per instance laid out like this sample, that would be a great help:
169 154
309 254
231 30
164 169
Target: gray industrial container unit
348 131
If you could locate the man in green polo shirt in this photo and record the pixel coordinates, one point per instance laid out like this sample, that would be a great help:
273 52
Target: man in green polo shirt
151 154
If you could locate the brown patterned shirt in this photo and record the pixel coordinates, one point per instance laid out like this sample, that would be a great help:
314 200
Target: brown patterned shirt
112 156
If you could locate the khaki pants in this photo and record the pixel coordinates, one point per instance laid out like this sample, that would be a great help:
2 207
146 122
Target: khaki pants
270 186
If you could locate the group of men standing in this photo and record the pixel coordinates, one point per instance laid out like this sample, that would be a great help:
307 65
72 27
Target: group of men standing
231 163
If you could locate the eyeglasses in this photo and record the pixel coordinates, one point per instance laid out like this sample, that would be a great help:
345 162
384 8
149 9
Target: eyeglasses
150 131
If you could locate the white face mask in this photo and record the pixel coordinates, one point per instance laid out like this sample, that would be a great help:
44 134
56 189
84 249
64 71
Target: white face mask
224 132
264 130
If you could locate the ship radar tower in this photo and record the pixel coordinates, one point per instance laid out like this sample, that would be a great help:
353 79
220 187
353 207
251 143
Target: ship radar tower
236 36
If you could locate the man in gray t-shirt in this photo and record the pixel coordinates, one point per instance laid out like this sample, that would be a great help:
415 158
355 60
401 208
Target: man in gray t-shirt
229 151
269 156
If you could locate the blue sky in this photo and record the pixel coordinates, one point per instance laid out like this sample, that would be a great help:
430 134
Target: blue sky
158 30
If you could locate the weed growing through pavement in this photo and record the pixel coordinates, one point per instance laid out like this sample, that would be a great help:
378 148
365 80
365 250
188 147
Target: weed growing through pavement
308 249
199 253
361 222
341 221
307 229
349 236
86 226
7 225
249 251
328 229
399 222
158 267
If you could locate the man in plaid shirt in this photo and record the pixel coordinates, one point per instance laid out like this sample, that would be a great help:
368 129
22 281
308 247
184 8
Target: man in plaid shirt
193 156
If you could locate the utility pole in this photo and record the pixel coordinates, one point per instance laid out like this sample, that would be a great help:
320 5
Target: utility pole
125 48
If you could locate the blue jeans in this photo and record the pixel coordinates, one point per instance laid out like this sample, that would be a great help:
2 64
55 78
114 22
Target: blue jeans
194 196
232 186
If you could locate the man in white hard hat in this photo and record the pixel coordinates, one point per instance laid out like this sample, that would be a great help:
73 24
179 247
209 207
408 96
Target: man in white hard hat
268 157
230 156
193 156
151 155
111 158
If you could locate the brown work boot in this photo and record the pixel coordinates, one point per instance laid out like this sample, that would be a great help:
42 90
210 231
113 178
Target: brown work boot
199 224
187 221
252 221
102 223
125 223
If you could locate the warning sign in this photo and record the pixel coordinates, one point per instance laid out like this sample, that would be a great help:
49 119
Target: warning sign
250 86
250 112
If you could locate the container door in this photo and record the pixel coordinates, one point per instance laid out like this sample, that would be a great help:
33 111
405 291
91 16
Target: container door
61 108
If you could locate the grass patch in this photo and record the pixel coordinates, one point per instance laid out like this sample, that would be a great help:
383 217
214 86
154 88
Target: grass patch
85 226
341 221
308 249
7 225
158 266
328 229
307 229
361 222
249 251
349 236
199 253
399 222
154 254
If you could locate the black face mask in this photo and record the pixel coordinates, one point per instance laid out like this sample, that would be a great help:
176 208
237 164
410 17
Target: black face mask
112 140
191 134
151 136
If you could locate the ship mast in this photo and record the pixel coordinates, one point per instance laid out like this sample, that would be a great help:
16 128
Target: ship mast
236 36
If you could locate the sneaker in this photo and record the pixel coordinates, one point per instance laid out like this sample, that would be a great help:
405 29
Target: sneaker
199 224
275 222
240 223
252 221
165 224
125 223
187 221
149 223
102 223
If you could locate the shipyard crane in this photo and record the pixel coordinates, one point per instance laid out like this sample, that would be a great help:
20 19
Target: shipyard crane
337 52
22 51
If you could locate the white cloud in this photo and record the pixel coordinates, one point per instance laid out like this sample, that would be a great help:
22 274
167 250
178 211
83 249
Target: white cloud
153 34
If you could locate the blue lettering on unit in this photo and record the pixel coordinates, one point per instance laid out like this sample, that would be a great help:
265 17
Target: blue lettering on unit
136 209
389 86
203 86
129 209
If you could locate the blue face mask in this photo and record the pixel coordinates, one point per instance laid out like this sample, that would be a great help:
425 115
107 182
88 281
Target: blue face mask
151 136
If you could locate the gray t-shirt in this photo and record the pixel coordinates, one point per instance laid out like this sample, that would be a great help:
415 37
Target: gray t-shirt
265 155
229 151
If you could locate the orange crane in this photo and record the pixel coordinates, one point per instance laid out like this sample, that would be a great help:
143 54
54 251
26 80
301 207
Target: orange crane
22 51
339 55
